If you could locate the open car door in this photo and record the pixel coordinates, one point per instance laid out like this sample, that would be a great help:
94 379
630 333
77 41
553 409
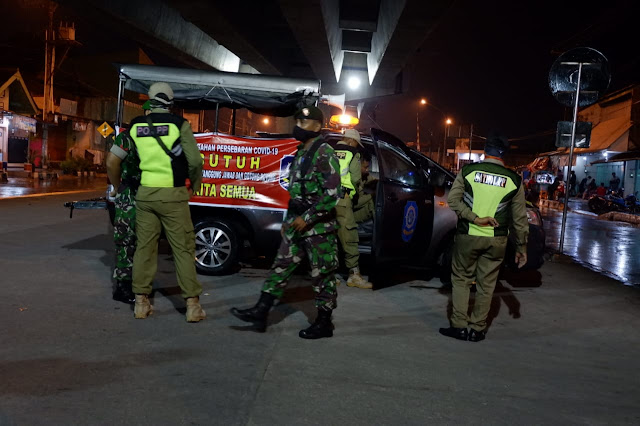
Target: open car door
404 202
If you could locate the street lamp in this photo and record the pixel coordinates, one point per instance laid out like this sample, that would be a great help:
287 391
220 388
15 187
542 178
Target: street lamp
265 121
423 101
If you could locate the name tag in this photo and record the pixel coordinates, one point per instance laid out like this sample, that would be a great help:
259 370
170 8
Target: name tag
142 131
489 179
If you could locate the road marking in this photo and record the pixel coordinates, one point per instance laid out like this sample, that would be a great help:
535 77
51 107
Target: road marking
48 194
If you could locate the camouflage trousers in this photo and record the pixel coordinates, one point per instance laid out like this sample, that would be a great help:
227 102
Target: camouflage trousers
124 234
322 252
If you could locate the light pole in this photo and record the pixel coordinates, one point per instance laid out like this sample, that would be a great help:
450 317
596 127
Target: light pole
422 102
448 123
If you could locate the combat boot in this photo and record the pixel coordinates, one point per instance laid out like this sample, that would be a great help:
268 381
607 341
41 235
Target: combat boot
456 333
142 308
322 327
258 314
477 336
356 280
195 312
123 293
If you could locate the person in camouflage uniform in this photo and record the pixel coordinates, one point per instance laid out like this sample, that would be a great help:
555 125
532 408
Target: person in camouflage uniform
309 228
125 178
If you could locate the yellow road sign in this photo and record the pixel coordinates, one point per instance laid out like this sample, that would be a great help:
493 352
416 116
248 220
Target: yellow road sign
105 130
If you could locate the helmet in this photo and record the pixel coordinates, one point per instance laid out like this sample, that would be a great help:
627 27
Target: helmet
146 106
496 144
161 93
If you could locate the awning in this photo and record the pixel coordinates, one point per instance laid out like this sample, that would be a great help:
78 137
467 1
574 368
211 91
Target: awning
196 89
624 156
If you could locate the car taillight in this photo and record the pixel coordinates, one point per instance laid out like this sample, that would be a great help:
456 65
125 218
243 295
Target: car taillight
533 216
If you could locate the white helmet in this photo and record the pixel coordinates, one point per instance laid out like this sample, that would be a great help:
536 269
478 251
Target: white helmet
161 93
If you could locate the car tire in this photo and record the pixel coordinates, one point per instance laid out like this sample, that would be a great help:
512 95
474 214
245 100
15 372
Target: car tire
217 246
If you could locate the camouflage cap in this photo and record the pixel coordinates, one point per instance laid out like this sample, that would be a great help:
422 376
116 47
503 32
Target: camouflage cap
309 113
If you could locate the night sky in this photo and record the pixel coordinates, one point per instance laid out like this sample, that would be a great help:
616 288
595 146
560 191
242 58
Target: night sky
487 63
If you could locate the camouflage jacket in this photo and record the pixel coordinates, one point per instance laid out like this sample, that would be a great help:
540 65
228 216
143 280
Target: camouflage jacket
317 193
130 167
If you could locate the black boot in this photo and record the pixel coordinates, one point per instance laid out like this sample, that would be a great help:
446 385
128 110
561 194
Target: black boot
322 327
258 314
123 293
477 336
456 333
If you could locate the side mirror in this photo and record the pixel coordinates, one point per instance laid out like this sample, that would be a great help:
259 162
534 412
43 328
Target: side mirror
437 178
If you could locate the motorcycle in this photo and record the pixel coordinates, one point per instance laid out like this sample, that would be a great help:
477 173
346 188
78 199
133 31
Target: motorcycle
632 202
609 203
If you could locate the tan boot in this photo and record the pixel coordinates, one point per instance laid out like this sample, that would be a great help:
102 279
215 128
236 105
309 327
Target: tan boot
356 280
142 308
195 312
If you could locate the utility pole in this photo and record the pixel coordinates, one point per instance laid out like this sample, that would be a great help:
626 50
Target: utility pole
49 64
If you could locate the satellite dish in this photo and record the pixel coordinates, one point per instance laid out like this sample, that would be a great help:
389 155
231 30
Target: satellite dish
594 80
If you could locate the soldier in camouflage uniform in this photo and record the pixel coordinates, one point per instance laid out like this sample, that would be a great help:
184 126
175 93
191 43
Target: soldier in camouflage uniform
309 228
125 178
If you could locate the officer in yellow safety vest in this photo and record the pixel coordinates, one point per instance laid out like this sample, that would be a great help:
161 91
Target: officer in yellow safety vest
350 176
169 157
489 200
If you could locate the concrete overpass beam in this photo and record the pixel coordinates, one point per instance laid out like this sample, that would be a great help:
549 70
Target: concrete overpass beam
158 25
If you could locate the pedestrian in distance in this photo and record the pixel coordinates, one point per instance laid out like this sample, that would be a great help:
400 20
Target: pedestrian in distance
489 201
123 170
602 190
572 184
614 183
349 155
309 228
169 158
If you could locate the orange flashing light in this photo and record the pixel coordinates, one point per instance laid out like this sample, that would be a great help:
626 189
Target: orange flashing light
344 120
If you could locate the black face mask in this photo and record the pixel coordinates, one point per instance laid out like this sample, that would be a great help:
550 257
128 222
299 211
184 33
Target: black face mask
304 135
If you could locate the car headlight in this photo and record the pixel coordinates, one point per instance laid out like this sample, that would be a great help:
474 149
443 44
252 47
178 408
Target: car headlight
533 216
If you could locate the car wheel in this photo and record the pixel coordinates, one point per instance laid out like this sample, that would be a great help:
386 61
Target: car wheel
217 247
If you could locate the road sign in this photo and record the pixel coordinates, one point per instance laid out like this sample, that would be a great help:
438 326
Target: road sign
577 78
594 81
582 138
105 130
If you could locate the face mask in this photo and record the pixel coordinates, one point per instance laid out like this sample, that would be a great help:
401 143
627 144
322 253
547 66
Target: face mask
304 135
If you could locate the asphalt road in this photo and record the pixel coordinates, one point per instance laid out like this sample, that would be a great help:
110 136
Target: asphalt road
611 248
562 349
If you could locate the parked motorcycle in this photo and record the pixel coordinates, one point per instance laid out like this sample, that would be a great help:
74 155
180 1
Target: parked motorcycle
609 203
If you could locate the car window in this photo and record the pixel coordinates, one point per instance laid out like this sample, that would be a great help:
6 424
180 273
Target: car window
397 167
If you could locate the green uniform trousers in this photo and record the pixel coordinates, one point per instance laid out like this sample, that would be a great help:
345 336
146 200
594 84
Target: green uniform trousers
364 210
175 218
348 232
475 258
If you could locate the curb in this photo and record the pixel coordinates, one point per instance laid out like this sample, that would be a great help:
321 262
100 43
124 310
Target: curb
49 194
620 217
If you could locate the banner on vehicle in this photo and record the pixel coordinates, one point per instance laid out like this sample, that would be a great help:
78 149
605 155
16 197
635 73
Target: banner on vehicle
244 172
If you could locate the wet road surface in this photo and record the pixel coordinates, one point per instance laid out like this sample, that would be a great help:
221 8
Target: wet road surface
612 248
18 187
